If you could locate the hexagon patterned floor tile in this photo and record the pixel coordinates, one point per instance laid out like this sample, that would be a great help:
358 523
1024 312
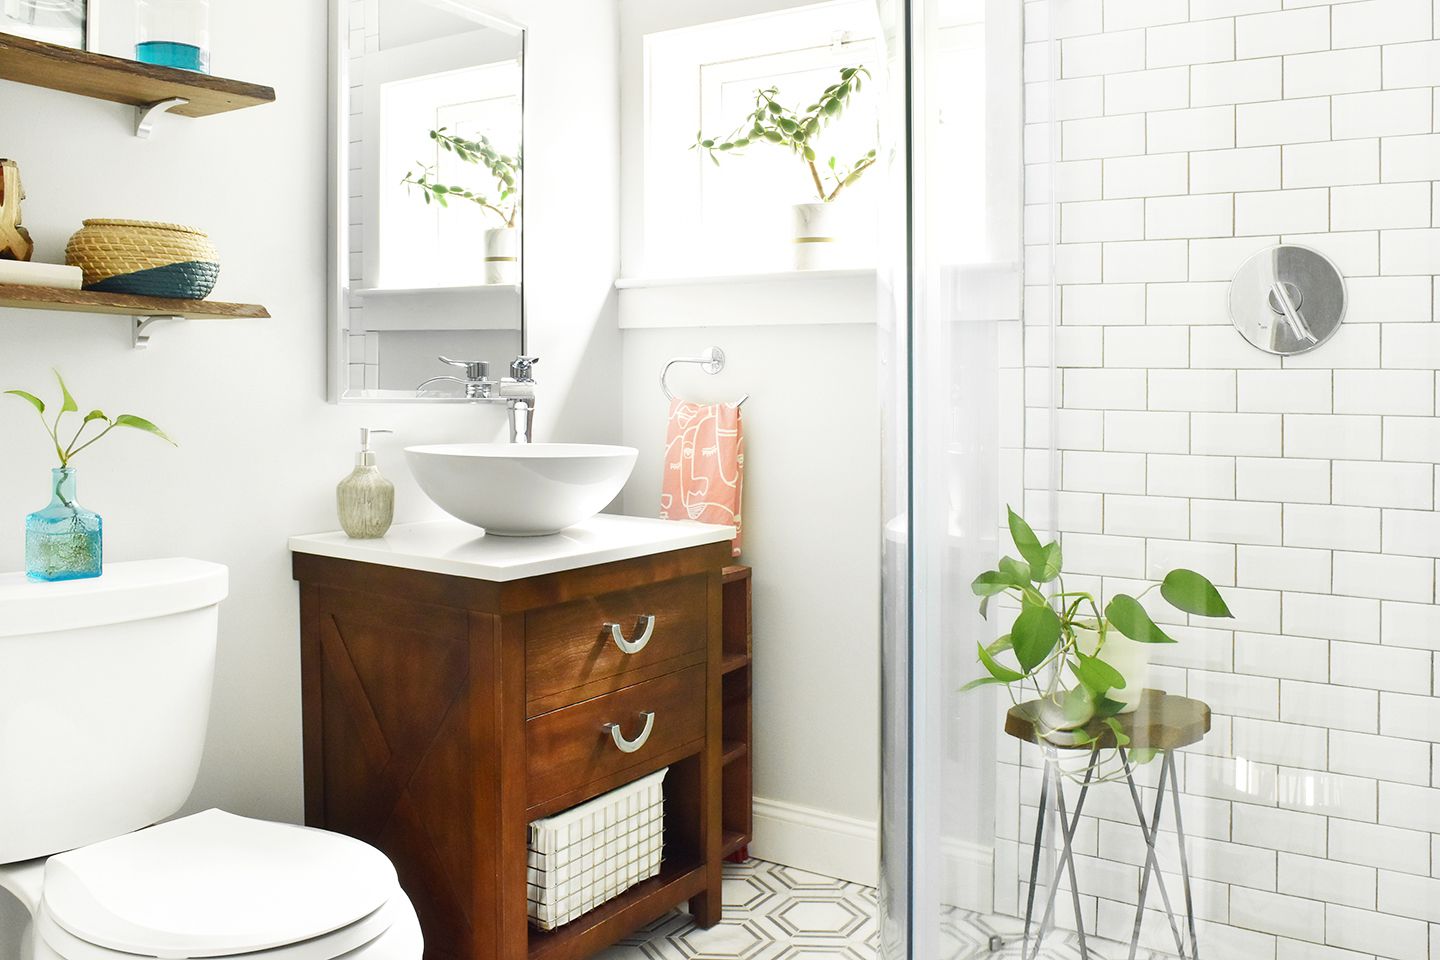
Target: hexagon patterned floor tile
774 912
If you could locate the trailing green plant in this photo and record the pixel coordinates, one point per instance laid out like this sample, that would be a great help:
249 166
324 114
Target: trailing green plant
68 451
504 170
1072 684
798 131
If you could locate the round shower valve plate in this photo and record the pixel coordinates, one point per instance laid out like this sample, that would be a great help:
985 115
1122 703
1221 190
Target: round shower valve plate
1287 299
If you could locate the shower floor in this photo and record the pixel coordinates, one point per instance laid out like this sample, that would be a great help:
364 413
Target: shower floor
774 912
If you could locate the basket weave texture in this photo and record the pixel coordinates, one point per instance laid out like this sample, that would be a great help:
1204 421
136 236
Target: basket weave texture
142 257
594 852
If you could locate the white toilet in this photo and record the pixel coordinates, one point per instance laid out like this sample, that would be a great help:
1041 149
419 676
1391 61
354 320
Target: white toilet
104 698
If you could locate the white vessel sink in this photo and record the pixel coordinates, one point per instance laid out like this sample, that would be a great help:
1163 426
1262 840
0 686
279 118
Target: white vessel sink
521 489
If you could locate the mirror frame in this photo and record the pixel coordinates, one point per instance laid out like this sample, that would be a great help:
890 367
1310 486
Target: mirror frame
337 289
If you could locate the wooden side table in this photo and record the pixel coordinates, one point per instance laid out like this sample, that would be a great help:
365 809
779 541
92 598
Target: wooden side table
1164 723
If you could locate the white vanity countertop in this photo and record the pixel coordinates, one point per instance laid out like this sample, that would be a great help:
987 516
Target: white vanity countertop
460 550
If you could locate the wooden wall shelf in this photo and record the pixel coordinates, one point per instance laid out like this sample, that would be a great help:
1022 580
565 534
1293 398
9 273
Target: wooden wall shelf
139 85
737 779
144 310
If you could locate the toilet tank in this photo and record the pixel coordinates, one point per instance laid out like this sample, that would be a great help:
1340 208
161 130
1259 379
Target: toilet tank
104 699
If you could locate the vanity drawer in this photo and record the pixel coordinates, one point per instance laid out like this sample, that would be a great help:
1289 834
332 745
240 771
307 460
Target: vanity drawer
573 746
572 653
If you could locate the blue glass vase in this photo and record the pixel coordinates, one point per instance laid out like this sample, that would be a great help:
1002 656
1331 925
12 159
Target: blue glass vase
62 542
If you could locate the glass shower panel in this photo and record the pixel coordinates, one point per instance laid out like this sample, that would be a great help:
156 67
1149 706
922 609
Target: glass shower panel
1274 794
955 393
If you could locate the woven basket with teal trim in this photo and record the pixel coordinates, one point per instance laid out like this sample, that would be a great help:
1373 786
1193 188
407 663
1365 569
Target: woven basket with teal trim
149 259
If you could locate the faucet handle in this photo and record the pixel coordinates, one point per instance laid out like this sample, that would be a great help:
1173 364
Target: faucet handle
523 369
474 369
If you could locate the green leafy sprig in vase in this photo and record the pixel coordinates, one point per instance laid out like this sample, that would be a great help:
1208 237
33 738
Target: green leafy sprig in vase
1084 666
64 541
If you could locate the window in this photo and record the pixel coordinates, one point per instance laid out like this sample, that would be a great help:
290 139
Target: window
736 217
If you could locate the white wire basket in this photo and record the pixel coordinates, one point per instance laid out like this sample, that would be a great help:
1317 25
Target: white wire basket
594 852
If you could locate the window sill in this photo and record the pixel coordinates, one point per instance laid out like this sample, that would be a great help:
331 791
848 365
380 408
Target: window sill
715 279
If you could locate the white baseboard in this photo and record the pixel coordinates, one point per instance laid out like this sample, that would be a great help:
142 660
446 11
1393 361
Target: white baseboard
830 844
834 845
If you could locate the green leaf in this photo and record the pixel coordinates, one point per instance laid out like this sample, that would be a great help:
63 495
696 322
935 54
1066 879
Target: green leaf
1050 569
981 682
1026 542
1120 737
1000 672
96 415
140 423
1096 674
999 646
1034 635
1017 570
990 583
1126 615
1189 591
1143 755
29 398
68 405
1078 706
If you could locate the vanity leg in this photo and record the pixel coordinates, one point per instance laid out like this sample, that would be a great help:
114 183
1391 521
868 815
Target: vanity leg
706 907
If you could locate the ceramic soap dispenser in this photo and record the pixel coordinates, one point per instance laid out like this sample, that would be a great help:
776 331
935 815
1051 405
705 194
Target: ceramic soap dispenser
365 499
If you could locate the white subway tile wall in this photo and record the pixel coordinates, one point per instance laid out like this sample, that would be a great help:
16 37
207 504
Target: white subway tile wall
1192 135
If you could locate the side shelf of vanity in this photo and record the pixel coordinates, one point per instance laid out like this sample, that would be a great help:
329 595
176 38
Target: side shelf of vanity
443 713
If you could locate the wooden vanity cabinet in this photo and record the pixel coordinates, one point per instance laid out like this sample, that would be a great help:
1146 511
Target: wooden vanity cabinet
443 713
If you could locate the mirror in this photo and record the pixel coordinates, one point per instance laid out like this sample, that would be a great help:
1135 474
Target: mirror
427 156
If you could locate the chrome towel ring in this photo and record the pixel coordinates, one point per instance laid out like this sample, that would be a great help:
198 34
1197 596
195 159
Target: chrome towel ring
711 360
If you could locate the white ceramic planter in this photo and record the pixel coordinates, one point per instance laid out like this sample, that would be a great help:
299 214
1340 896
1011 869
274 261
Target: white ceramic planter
1130 659
819 237
502 255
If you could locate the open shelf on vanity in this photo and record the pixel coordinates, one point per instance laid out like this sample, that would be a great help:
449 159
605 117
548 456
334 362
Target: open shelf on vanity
679 880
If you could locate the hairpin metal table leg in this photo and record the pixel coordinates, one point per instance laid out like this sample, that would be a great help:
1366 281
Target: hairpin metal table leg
1068 825
1035 855
1184 858
1151 834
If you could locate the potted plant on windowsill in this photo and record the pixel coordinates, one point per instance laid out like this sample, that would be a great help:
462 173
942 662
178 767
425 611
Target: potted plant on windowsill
501 203
819 234
63 541
1081 663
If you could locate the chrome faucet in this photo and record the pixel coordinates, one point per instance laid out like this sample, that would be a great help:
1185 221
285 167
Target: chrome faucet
517 391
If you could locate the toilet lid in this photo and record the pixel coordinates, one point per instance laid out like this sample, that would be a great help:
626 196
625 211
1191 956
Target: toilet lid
215 884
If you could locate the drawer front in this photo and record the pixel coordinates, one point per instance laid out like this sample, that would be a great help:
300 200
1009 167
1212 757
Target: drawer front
575 645
573 746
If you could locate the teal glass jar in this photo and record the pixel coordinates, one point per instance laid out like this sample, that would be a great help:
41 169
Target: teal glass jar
62 541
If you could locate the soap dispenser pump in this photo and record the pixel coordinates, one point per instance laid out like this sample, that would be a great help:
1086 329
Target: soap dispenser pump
365 499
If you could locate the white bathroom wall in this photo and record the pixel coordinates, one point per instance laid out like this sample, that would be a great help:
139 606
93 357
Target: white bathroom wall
260 449
1190 136
804 349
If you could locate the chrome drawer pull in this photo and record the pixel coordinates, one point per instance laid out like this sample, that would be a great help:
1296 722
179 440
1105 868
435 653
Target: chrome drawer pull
630 746
645 626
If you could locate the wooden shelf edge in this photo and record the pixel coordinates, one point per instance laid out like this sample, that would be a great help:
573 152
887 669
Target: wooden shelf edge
732 840
124 304
625 914
731 662
119 80
733 750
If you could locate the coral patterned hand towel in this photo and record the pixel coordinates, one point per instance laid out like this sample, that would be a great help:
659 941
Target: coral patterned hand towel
704 465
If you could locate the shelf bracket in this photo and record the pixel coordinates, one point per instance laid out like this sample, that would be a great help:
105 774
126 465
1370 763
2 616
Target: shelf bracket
146 116
140 330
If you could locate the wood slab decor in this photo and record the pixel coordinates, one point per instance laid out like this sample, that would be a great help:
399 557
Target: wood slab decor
14 239
123 81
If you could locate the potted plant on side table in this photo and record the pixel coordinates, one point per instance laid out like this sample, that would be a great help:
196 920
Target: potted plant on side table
818 233
63 541
1085 666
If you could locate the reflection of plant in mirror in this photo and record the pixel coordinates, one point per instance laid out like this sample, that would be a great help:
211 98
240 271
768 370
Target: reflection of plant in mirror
67 452
504 201
1067 632
773 122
